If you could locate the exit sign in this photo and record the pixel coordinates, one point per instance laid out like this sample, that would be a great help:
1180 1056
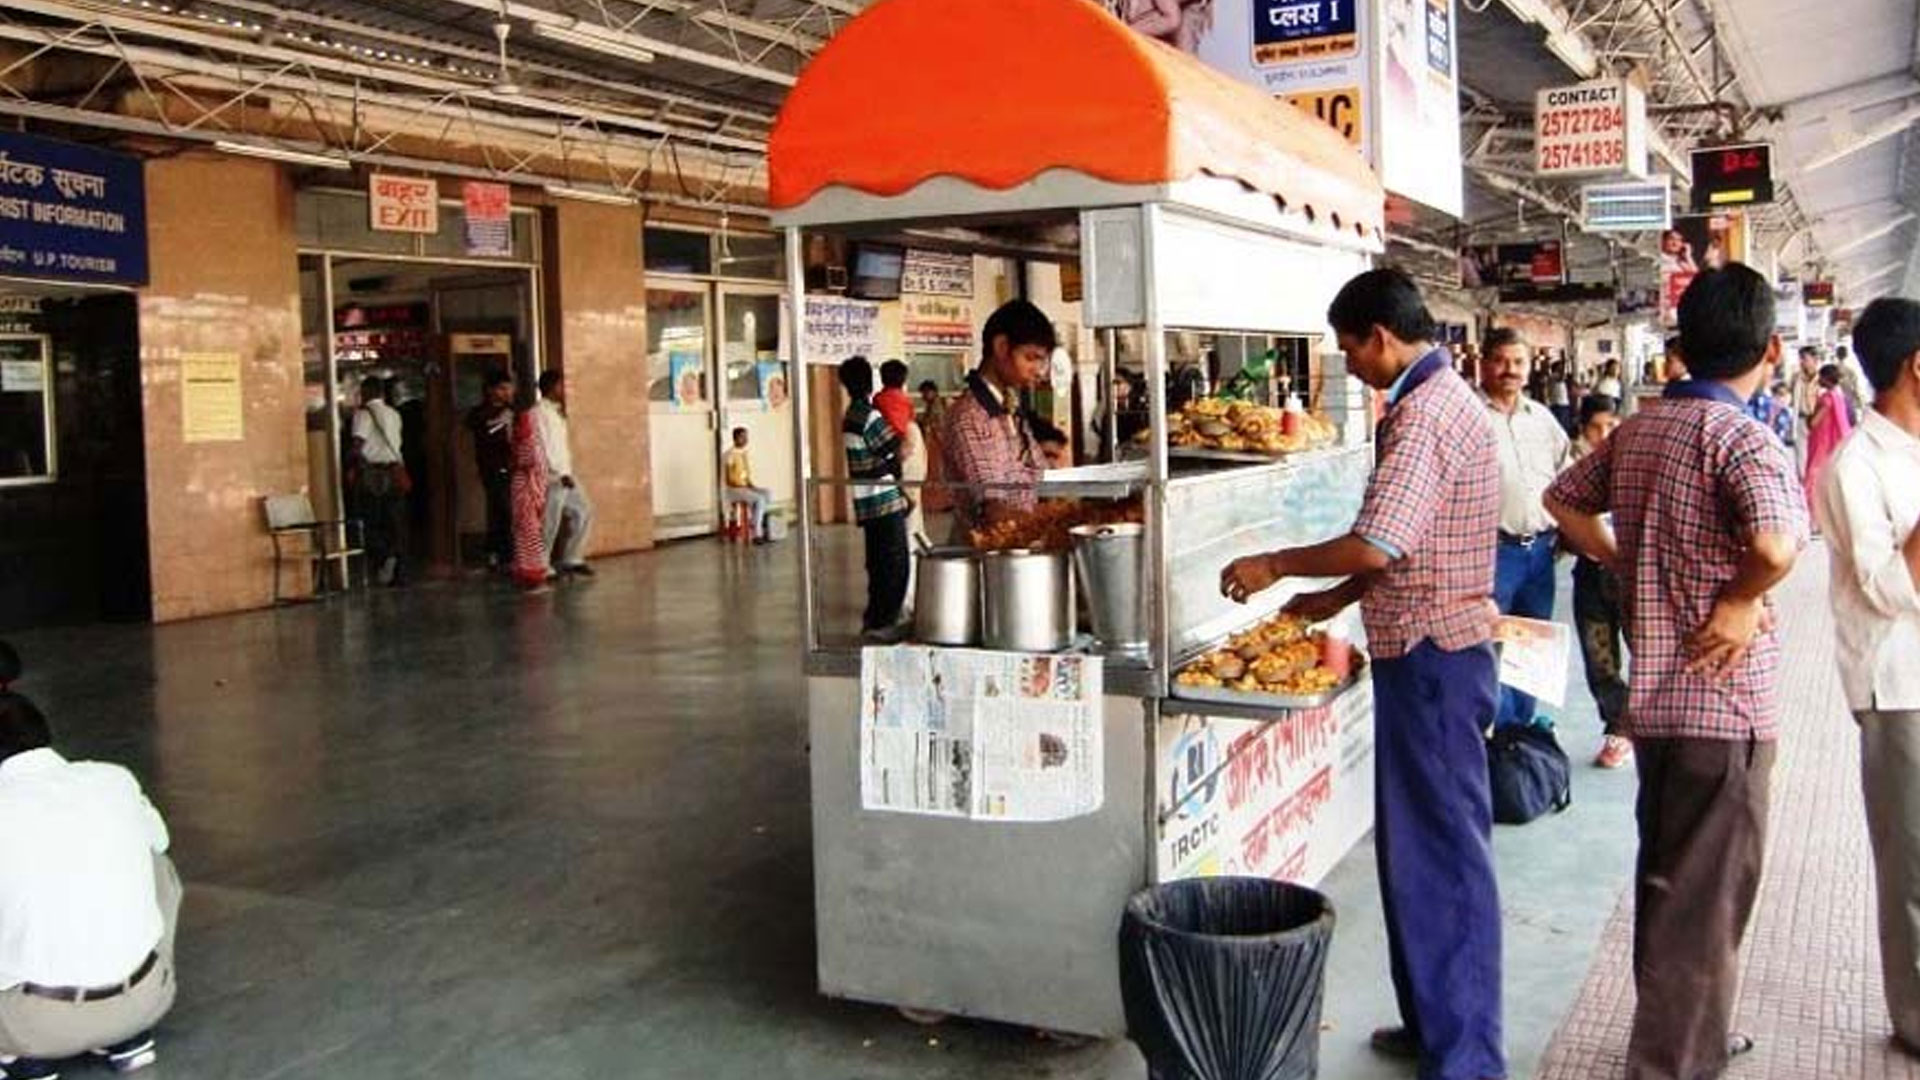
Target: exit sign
1726 176
404 204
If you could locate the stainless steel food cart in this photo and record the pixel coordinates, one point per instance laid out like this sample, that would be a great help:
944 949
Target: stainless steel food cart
1211 208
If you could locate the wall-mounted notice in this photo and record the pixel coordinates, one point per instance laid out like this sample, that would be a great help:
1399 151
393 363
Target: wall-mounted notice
837 328
985 735
212 408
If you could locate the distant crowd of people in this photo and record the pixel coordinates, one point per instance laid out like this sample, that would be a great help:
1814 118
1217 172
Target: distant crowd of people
523 454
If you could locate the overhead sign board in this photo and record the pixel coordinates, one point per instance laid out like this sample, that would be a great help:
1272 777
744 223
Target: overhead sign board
71 212
1819 293
1726 176
405 204
1639 206
1593 129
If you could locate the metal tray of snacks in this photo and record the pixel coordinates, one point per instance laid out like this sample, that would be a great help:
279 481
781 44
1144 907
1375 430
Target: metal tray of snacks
1292 653
1223 695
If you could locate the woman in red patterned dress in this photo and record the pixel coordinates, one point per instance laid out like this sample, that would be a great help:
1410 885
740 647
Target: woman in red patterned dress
530 560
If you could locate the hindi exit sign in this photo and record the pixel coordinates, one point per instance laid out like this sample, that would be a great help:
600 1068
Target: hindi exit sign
1726 176
406 204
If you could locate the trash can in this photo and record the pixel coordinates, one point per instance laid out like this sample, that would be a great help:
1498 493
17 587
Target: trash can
1223 978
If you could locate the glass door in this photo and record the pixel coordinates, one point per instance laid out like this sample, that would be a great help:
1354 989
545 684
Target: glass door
684 426
754 350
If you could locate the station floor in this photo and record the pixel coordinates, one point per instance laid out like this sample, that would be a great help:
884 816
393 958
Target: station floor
458 832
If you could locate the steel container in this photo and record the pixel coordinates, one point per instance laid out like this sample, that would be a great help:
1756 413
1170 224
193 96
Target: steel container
946 596
1028 601
1111 562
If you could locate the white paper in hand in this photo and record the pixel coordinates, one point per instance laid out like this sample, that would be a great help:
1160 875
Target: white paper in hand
1534 657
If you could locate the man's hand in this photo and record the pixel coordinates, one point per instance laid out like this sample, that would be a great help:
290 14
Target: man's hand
1318 607
1244 577
1718 647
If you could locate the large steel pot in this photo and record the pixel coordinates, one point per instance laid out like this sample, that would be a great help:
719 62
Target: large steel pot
946 596
1028 601
1112 565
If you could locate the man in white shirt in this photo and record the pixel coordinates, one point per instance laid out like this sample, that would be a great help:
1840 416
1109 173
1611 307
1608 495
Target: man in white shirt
1869 505
88 903
1533 450
380 483
566 499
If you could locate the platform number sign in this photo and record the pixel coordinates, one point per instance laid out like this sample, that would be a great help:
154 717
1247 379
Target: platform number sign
1337 108
1732 176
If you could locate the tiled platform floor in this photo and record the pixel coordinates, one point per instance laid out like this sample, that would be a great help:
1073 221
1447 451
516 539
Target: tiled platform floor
1812 995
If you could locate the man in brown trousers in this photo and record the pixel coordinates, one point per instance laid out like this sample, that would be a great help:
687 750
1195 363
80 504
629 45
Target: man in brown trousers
1708 517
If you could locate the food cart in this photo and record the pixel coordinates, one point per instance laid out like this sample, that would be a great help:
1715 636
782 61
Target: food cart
1193 203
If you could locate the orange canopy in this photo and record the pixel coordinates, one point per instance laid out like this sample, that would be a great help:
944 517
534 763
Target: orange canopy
996 92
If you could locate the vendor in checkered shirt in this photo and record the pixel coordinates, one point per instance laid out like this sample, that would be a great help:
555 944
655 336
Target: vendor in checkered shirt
1707 517
1419 560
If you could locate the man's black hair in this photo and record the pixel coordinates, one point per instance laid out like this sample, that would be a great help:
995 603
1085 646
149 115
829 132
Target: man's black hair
1501 337
1022 324
551 378
856 375
22 726
1829 375
1597 405
1810 350
1386 298
1726 322
1887 335
893 373
1672 346
1045 432
929 384
371 387
496 377
739 431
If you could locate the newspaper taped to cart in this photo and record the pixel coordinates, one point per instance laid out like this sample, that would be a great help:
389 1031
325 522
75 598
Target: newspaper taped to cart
993 736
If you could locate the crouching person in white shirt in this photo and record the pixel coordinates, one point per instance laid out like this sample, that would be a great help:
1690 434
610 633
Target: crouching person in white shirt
88 901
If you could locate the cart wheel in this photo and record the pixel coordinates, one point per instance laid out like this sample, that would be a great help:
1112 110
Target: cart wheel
923 1017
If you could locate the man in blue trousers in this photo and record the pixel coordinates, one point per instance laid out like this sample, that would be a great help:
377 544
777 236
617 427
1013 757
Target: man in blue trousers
1533 448
1420 560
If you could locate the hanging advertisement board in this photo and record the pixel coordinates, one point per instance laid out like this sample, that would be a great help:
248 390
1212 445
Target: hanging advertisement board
1593 129
1696 242
488 216
1416 142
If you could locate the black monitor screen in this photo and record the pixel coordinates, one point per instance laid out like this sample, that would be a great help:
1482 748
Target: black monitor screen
874 271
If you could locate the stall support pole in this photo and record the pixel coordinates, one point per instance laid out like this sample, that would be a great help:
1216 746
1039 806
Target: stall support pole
1110 374
1160 615
800 394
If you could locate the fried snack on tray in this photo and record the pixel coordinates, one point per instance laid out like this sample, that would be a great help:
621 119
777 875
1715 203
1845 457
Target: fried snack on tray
1278 656
1048 526
1241 426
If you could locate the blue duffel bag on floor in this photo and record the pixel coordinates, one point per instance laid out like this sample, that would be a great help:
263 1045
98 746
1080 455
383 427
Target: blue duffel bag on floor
1528 772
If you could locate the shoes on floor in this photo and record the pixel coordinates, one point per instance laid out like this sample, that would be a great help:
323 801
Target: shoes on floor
1616 752
29 1069
578 570
131 1056
1395 1042
1739 1044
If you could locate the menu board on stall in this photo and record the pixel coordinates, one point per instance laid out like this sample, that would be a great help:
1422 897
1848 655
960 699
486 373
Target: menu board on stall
937 322
837 328
994 736
1282 799
937 273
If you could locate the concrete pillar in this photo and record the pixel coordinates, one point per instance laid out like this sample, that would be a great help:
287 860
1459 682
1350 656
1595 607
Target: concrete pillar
597 325
224 297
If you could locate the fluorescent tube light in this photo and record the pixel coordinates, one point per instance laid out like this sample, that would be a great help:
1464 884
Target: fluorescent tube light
593 195
596 41
282 154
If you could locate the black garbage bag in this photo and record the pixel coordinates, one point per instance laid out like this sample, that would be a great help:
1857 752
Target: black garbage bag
1223 978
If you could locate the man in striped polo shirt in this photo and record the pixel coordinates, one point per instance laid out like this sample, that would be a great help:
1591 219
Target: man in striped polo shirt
881 508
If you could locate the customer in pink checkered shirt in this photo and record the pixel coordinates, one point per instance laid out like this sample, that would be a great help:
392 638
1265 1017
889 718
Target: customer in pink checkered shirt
1707 517
1419 561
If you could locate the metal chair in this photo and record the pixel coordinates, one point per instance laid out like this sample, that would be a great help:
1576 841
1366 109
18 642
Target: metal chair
324 542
